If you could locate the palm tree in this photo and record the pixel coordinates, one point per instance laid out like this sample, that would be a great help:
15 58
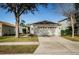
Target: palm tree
18 9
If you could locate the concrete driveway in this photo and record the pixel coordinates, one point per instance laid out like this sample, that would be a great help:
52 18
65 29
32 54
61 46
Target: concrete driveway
57 45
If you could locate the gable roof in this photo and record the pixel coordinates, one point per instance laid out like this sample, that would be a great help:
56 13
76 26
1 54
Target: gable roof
45 22
6 23
64 19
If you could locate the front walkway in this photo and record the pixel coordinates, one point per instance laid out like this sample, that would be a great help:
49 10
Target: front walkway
57 45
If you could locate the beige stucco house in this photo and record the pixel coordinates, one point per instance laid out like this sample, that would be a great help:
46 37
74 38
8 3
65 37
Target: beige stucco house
41 28
6 29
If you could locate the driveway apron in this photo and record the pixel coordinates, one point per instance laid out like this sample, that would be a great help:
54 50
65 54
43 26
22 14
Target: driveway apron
57 45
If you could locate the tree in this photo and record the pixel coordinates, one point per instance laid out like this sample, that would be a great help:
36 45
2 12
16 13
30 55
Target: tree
22 23
18 9
69 11
77 18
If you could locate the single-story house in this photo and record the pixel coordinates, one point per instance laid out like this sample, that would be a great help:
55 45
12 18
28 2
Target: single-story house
39 28
6 29
45 28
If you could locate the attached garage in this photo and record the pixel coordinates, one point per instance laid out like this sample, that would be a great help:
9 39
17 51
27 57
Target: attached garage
45 31
45 28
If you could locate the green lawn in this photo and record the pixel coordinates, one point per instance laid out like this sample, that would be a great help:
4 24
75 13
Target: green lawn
18 49
21 39
76 38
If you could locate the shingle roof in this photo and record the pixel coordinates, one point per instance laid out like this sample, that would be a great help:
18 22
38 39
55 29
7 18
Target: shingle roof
45 22
63 19
6 23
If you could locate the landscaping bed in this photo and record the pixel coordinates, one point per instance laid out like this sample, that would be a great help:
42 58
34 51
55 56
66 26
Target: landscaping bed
18 49
76 38
21 39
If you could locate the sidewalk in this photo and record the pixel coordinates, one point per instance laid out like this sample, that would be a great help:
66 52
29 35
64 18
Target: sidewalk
19 43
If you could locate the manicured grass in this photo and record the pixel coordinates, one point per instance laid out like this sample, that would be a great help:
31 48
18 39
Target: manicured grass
76 38
21 39
18 49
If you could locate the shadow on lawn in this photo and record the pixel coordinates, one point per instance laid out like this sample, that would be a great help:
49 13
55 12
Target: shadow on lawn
3 37
18 49
76 38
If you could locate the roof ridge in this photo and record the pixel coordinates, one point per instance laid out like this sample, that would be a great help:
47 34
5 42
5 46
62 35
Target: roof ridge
7 23
45 21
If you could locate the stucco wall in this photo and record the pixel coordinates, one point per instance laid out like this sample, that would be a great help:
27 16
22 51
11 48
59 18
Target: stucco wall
0 30
58 31
32 29
8 30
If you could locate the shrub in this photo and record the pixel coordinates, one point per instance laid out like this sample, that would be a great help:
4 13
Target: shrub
32 35
67 31
63 32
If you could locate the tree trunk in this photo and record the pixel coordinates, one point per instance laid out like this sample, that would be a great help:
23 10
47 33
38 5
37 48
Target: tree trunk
17 27
72 25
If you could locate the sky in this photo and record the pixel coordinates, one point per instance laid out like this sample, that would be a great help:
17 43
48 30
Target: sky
51 14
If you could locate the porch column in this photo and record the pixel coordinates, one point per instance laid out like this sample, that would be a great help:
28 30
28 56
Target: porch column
31 29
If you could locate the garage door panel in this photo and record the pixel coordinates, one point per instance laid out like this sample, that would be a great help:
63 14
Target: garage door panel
45 31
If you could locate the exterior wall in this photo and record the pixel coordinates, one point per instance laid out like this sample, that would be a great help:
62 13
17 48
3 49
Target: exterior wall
45 29
20 30
8 30
32 29
58 31
64 24
27 30
0 29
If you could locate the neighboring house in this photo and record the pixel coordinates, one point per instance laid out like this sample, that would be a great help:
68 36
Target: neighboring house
45 28
65 23
6 29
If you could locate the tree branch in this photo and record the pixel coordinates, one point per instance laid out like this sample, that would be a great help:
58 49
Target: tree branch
21 12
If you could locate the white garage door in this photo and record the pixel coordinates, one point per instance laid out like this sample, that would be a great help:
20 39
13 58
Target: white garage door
45 31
